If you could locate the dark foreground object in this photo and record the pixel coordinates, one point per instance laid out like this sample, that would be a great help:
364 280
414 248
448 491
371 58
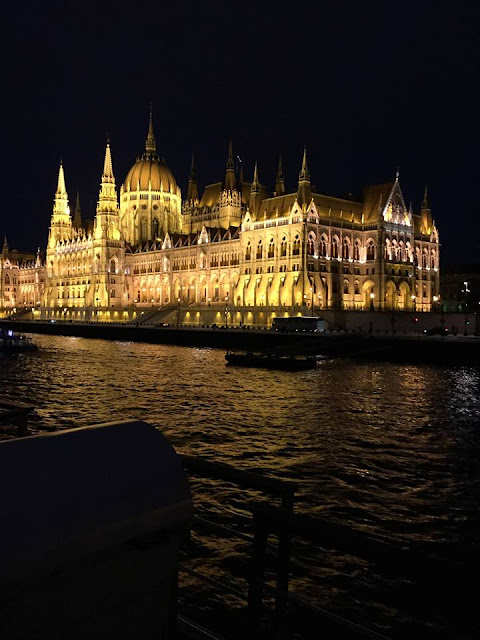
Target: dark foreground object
92 520
271 361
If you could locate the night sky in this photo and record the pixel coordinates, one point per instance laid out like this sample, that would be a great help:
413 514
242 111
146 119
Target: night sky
367 86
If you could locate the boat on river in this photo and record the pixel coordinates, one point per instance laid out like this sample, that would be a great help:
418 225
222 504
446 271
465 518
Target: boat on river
11 342
283 362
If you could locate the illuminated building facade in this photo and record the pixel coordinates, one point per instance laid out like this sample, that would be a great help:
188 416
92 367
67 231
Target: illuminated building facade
238 247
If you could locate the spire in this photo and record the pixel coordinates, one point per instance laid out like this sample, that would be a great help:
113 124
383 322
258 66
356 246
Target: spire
255 183
425 201
304 175
397 174
77 220
280 180
107 175
61 190
5 245
230 181
192 193
107 202
255 192
150 144
304 193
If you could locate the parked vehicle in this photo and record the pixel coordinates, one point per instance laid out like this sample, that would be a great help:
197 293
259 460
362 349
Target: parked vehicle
436 331
299 324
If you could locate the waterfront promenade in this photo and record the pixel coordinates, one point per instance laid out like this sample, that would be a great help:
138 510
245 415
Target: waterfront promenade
398 347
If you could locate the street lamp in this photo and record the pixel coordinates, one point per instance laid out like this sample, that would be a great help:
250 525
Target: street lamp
372 296
313 302
178 311
226 311
414 303
466 291
64 313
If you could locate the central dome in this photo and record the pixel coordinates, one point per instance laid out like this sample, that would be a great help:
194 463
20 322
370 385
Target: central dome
150 173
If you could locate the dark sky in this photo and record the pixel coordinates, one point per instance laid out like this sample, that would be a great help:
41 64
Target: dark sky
365 85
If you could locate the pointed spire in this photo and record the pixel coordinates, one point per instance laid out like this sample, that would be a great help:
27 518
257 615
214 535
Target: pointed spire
255 183
61 190
150 144
107 175
304 192
397 174
230 183
192 193
425 201
5 245
77 220
255 192
304 175
280 180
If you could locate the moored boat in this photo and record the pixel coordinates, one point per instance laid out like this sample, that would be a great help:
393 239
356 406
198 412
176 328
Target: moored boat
10 342
271 361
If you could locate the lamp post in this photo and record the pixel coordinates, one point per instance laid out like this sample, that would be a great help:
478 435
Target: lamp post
178 311
372 296
313 300
96 309
466 291
414 303
64 313
226 311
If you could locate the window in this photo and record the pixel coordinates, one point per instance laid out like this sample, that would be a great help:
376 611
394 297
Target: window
357 287
323 247
346 249
356 250
248 252
335 248
283 248
346 286
371 250
259 250
271 249
296 246
310 246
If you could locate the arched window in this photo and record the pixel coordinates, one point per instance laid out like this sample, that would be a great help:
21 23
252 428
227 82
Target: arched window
155 227
283 247
432 260
346 249
310 246
248 251
7 279
296 246
323 246
424 258
356 250
335 247
113 266
371 250
259 250
346 286
271 248
143 229
357 287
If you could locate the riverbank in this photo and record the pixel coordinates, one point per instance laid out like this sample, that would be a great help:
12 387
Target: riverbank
402 348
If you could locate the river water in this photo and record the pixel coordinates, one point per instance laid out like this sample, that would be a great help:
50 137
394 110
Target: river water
392 450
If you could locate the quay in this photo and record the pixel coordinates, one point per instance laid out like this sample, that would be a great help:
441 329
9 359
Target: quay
401 348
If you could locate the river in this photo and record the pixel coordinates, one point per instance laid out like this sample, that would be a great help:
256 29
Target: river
389 449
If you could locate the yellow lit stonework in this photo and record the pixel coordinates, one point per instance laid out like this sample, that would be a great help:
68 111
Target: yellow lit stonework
236 253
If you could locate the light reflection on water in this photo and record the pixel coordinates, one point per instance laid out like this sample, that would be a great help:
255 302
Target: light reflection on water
389 449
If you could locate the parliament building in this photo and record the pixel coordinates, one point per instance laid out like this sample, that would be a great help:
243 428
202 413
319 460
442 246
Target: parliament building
238 253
